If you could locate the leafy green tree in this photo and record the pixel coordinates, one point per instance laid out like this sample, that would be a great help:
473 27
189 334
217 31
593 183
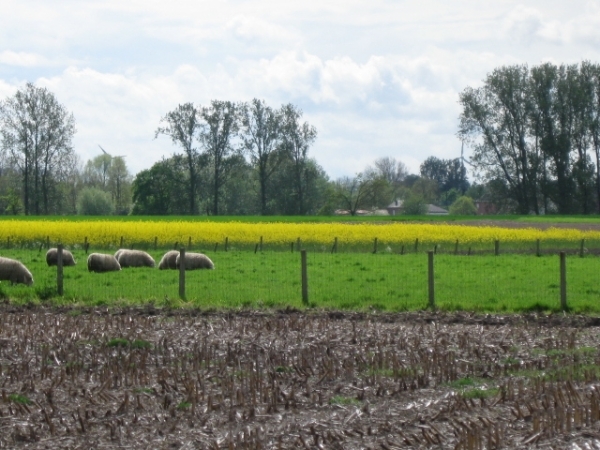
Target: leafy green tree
435 169
391 174
238 193
263 141
426 189
593 71
284 193
220 125
162 189
449 197
119 185
497 115
36 134
94 202
96 172
351 192
414 205
463 206
539 130
297 139
450 174
11 203
182 125
110 174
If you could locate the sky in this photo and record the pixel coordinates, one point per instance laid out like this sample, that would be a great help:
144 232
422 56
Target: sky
376 78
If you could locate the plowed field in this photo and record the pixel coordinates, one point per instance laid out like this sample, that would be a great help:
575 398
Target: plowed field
150 379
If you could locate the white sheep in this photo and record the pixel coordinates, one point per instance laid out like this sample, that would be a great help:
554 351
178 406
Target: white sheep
52 257
195 261
100 262
168 260
14 271
134 258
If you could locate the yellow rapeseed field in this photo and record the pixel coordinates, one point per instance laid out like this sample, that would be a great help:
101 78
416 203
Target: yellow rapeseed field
107 233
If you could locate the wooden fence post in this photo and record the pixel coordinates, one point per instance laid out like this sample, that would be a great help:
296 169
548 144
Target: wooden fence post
182 273
47 242
59 270
402 250
121 245
255 248
563 281
190 243
292 246
334 248
226 243
304 277
299 244
496 247
86 245
216 246
416 245
537 248
456 248
260 244
155 242
431 280
581 248
375 246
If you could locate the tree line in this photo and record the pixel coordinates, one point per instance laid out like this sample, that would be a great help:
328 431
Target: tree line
230 158
236 158
535 134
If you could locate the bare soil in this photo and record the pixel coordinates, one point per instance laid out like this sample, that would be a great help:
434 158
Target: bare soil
175 379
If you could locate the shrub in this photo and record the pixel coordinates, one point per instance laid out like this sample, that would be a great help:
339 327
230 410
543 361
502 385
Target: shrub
463 206
414 205
94 202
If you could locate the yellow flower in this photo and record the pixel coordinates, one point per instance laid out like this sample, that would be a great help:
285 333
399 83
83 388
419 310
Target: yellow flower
108 233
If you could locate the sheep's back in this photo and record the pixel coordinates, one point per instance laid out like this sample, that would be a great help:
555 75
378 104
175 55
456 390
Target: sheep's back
15 271
100 262
52 257
195 261
168 261
134 258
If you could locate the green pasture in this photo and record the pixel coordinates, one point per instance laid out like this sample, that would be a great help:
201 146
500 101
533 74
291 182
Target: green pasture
343 281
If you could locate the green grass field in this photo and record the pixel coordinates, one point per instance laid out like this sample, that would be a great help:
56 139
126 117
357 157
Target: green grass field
346 281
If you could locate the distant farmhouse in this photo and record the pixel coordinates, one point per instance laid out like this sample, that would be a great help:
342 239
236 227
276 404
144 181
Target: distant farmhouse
395 208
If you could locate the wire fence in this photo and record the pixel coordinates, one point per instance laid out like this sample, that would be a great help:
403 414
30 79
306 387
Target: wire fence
538 247
375 280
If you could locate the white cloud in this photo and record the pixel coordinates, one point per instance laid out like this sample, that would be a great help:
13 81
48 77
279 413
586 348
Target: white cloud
383 107
523 24
377 78
22 59
253 28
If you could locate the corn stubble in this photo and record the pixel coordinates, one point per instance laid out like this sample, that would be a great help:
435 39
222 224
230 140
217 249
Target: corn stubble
262 381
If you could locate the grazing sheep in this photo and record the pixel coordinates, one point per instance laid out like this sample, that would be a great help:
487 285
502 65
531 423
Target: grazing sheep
195 261
14 271
134 258
99 262
52 257
168 260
